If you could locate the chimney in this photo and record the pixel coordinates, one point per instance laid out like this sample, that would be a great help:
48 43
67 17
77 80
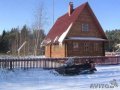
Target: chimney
70 8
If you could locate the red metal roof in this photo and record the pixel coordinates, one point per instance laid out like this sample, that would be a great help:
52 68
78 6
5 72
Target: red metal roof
64 21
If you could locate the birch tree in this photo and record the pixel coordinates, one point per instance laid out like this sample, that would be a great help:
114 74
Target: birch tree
38 25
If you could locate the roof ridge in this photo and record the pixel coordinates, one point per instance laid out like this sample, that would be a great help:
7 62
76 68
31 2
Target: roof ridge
74 10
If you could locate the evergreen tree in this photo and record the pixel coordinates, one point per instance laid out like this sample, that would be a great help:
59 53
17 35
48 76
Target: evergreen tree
4 43
113 39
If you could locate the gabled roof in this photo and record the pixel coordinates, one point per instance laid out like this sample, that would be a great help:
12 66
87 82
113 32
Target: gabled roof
63 22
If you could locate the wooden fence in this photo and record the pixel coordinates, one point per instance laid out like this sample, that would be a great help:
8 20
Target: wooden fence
50 63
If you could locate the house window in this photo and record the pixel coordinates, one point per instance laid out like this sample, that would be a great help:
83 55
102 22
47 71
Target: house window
75 46
85 27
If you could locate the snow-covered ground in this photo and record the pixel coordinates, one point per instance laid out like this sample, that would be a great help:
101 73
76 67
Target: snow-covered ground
39 79
17 57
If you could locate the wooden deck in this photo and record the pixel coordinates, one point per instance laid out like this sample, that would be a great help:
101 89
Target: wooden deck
50 63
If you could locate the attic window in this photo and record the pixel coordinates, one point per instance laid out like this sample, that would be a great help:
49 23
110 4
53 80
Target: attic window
85 27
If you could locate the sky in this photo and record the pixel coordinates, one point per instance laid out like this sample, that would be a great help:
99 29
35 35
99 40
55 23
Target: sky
16 13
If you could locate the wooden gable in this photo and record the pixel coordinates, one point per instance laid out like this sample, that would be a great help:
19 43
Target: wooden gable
86 17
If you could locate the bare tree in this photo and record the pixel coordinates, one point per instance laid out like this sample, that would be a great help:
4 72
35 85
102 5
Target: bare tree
40 20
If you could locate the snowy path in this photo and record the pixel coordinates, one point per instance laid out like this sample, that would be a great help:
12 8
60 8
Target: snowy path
38 79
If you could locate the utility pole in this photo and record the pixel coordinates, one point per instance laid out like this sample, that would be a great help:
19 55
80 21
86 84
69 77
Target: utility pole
53 11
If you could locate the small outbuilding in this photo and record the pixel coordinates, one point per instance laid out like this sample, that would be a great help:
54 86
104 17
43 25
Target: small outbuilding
76 33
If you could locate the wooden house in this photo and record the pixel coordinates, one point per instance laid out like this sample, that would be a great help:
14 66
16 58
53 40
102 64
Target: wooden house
76 33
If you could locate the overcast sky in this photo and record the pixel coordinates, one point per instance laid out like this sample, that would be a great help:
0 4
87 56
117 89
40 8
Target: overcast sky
14 13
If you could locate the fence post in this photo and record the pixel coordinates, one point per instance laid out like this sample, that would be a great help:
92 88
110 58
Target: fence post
10 65
117 61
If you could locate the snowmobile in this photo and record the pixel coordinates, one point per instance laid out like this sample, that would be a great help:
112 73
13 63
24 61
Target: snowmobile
69 68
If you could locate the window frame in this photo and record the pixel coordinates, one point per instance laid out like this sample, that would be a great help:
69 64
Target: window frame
75 46
85 27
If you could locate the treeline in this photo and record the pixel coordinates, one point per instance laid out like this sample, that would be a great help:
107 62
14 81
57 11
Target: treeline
11 42
113 40
23 41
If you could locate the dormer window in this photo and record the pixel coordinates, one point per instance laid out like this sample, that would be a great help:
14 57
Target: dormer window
85 27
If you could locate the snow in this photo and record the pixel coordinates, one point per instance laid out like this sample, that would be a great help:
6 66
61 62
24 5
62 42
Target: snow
39 79
44 42
17 57
86 38
56 38
62 37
